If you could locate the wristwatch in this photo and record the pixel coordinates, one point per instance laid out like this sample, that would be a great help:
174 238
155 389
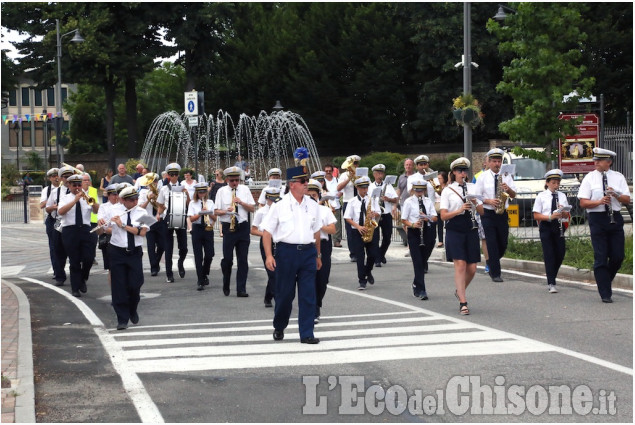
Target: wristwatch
319 255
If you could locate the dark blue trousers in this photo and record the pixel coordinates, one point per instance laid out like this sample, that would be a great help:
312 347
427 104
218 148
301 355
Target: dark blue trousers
553 249
60 254
271 275
203 246
420 255
57 273
385 224
496 228
78 242
349 231
181 240
322 275
155 238
126 277
608 249
368 250
238 240
295 264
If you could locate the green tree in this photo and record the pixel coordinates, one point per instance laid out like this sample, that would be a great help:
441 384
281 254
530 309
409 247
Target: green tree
544 42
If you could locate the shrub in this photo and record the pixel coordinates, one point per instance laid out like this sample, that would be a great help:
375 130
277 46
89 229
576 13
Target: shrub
392 161
131 165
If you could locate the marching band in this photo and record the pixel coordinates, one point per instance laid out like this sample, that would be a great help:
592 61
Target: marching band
295 233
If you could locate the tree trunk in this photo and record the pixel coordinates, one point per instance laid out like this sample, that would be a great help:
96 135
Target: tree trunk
131 116
109 89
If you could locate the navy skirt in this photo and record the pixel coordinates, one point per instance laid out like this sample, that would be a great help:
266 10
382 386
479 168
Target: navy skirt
462 246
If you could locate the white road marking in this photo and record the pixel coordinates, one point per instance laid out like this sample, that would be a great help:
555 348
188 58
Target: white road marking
11 271
147 410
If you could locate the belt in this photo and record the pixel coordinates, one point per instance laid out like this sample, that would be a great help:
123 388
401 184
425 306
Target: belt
125 250
299 247
602 212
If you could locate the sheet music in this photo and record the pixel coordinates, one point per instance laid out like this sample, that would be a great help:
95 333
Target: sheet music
361 172
376 192
206 212
277 183
147 219
391 180
508 169
431 176
470 196
328 197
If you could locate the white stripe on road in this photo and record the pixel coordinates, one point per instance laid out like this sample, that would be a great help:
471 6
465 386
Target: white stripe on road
11 271
147 410
561 350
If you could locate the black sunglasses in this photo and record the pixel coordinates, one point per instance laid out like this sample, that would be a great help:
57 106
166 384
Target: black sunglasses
76 184
462 170
173 174
233 180
301 180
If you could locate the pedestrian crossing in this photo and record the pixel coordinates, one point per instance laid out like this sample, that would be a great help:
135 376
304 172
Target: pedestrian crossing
399 335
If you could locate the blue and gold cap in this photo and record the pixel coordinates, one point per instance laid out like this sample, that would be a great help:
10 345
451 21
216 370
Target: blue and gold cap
318 175
122 186
52 172
200 187
274 172
173 167
599 153
461 162
314 185
65 170
295 173
419 185
272 193
233 171
422 158
379 167
111 189
75 178
129 193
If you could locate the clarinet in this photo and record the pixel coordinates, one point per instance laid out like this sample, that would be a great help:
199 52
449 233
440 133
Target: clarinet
609 207
421 242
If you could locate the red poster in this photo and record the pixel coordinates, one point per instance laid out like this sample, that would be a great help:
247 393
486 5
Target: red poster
576 152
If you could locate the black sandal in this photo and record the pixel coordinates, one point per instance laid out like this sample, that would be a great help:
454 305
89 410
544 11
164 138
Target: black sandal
463 309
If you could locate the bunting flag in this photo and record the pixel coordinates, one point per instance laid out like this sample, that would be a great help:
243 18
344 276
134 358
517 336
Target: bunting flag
6 119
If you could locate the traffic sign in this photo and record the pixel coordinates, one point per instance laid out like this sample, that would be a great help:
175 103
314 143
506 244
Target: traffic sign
191 103
193 121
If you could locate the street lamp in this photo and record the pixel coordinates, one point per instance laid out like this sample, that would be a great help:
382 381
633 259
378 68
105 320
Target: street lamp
501 15
277 107
58 104
467 77
16 128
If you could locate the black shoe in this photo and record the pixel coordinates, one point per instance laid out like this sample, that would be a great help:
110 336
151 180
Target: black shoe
134 318
383 260
370 278
310 340
181 269
242 295
423 295
83 287
278 335
416 294
154 272
200 287
169 279
226 290
497 279
268 303
353 259
607 300
59 282
205 281
377 264
78 295
122 326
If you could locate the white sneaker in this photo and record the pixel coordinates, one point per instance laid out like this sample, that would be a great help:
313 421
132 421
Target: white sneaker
552 289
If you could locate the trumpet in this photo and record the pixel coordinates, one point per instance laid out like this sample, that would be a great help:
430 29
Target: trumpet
107 223
89 199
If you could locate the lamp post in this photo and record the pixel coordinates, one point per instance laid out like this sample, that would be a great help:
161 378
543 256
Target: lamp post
277 107
16 128
59 119
467 77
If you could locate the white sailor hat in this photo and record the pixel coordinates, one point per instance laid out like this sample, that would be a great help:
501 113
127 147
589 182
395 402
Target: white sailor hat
232 171
362 181
419 185
461 162
355 158
379 167
274 172
122 186
599 153
554 174
318 175
111 189
52 172
67 169
314 185
422 158
129 193
75 178
200 187
495 153
272 193
173 167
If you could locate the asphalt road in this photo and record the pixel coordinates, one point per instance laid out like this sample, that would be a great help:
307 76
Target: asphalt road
384 355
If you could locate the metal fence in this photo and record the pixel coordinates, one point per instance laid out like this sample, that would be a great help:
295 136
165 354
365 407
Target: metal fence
13 211
620 141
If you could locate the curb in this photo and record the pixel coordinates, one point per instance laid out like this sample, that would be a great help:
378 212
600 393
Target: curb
25 401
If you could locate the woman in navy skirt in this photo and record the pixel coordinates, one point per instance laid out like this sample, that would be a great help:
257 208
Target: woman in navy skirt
461 230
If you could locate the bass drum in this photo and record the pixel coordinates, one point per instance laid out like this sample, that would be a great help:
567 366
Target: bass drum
177 210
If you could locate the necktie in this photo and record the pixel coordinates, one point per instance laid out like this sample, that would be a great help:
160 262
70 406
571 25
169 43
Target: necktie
362 212
422 208
78 213
130 235
495 184
554 202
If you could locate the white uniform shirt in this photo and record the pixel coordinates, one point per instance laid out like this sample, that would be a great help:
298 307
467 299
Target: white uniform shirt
68 219
348 192
262 200
485 186
591 188
451 201
119 236
46 194
189 187
410 209
418 176
355 205
52 200
224 200
294 222
542 204
326 218
105 210
259 216
331 187
390 193
164 196
196 207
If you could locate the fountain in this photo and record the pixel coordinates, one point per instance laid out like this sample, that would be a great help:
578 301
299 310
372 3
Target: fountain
265 142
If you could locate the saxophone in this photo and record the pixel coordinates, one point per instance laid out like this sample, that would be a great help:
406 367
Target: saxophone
153 188
369 223
501 195
209 223
232 220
